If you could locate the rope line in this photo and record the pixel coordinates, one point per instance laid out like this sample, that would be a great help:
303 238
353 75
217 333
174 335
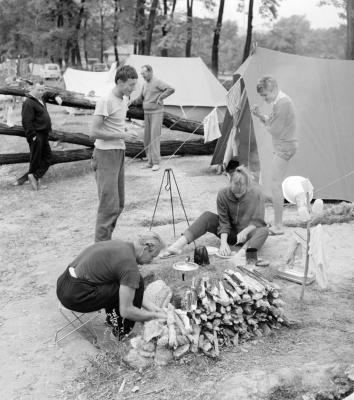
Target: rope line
334 181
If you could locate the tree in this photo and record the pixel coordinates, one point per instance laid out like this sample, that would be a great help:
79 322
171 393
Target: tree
215 47
346 12
267 9
150 26
139 40
116 29
288 35
166 26
189 27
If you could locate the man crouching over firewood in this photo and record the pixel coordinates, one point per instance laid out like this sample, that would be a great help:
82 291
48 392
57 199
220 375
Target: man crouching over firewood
239 219
106 275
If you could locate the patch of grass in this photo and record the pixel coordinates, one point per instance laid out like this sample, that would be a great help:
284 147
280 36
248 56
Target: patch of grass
286 392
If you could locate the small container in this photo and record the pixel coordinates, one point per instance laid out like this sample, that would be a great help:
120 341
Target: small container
251 256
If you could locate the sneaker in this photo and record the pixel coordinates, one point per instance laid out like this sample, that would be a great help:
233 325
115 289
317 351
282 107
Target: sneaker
146 166
155 167
40 185
33 181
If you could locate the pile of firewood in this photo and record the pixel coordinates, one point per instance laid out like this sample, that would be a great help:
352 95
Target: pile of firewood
228 311
217 312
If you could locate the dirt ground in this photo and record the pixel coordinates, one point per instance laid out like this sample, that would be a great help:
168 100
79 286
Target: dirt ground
41 232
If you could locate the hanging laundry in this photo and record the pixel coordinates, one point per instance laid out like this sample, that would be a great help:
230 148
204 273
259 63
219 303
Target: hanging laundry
233 98
231 147
211 126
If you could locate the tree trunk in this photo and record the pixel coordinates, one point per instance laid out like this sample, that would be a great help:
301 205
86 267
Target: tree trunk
101 35
215 49
189 28
247 49
350 30
139 41
133 148
72 99
150 27
79 37
116 30
164 50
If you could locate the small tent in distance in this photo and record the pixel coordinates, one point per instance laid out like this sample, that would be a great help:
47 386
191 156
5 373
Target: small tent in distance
322 95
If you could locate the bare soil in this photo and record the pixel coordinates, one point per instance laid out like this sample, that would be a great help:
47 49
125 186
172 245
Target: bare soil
41 232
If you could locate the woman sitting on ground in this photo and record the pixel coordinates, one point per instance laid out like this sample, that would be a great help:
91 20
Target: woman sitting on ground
239 219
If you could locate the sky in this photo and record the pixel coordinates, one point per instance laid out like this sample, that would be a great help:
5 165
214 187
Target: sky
319 17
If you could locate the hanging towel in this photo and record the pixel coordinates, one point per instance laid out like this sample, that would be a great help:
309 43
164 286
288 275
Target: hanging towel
211 126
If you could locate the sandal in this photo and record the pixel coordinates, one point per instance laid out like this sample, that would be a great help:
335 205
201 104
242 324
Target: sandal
273 232
169 253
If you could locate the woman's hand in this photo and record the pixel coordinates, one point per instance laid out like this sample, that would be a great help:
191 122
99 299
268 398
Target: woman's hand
224 249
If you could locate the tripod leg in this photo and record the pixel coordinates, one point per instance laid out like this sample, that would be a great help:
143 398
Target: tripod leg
157 201
180 198
171 199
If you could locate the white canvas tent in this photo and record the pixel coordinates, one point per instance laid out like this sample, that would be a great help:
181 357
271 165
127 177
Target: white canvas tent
197 89
323 95
100 83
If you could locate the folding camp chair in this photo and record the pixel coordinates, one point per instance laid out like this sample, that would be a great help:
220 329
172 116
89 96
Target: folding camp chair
76 321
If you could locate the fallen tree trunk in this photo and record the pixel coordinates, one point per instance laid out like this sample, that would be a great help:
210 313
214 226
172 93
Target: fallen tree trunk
54 136
73 99
134 149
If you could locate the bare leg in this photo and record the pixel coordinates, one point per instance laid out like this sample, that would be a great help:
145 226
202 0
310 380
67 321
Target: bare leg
279 167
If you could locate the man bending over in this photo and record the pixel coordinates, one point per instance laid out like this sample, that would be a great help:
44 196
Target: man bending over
106 275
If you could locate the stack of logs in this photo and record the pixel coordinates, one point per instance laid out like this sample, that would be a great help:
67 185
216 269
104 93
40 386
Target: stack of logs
228 311
218 312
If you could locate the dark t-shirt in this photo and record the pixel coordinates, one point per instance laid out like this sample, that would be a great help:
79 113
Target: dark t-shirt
108 261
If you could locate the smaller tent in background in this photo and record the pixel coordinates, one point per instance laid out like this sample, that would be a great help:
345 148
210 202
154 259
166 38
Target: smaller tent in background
322 93
197 93
89 83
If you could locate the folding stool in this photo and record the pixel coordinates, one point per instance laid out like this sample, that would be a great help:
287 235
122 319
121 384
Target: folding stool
76 321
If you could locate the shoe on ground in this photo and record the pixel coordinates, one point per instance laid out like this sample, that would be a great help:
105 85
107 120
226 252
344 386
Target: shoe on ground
40 185
155 167
146 166
33 181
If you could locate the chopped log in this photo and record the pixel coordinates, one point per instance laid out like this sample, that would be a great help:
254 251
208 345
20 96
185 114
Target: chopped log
73 99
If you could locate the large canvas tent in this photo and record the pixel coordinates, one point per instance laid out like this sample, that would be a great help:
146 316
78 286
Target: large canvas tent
197 93
197 89
322 93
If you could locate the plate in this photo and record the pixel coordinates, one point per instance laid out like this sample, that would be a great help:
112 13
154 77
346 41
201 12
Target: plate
233 253
185 266
212 250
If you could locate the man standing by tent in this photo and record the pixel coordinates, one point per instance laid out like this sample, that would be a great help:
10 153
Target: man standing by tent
281 125
151 96
108 128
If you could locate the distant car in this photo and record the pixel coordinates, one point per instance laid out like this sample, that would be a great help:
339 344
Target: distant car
51 71
99 67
